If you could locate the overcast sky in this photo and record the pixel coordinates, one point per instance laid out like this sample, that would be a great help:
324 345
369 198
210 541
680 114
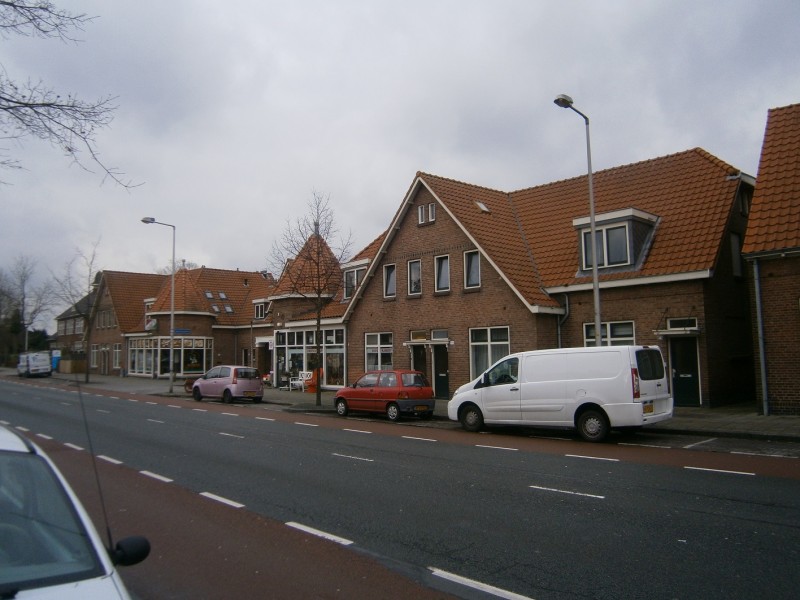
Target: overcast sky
232 114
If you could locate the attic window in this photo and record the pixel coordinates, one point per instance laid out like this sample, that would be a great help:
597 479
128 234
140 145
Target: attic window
222 296
228 309
623 239
482 206
209 295
215 308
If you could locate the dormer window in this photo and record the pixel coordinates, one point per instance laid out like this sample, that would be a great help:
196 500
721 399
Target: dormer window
623 238
352 279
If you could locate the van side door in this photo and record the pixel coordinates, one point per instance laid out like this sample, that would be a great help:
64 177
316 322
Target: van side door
500 395
544 389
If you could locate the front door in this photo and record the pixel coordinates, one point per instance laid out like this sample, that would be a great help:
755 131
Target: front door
685 371
441 378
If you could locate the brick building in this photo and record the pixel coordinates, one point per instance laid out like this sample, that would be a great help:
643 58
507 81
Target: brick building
465 274
772 250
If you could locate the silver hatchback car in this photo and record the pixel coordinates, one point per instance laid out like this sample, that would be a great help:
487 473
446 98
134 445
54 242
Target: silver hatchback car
229 382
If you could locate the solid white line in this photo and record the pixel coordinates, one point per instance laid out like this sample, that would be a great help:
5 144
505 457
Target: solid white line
322 534
73 446
221 499
357 431
241 437
496 447
699 443
546 489
353 457
305 424
719 471
156 476
113 461
477 585
592 457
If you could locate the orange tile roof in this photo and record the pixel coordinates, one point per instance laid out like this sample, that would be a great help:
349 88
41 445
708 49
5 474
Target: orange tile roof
300 276
234 289
774 222
530 236
128 292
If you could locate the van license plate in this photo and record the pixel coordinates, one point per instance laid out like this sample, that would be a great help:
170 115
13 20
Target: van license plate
648 408
249 394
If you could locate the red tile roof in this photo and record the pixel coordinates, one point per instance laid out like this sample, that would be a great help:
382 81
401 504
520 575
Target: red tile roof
530 237
315 270
774 223
128 292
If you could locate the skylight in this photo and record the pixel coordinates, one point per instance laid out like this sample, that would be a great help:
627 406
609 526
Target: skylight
482 206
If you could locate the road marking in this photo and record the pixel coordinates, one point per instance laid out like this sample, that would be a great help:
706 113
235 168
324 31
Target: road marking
155 421
571 493
496 447
241 437
200 409
103 410
173 406
353 457
73 446
150 402
114 397
21 428
699 443
720 471
592 457
264 419
113 461
477 585
221 499
322 534
306 424
131 399
156 476
357 431
43 436
230 414
760 454
419 439
643 445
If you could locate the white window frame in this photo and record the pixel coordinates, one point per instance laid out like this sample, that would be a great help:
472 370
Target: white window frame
117 356
431 212
602 241
495 349
93 355
260 310
357 276
617 337
436 262
382 344
421 210
386 292
418 263
466 269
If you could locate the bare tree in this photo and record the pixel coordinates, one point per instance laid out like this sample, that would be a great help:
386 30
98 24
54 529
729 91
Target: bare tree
309 265
34 109
31 301
74 288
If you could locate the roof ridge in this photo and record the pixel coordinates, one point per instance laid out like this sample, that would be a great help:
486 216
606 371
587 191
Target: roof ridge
422 174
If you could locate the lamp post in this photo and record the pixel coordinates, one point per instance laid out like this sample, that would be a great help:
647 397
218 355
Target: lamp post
565 101
150 221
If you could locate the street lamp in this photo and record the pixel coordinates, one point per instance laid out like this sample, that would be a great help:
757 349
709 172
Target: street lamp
150 221
565 101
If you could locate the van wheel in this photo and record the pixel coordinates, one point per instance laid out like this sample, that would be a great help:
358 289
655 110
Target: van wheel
471 418
593 425
393 412
196 394
226 397
341 407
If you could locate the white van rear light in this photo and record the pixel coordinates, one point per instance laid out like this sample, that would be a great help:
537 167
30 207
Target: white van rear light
635 382
235 378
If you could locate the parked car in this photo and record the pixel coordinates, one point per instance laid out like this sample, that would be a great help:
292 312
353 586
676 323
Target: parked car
34 364
48 545
229 382
590 389
393 393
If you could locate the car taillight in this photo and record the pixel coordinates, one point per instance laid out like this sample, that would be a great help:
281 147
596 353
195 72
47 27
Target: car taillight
635 382
235 376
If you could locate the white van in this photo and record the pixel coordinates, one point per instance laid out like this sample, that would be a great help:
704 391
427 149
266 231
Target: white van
591 389
34 364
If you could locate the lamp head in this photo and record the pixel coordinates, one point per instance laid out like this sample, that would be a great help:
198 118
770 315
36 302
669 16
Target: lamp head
148 220
563 101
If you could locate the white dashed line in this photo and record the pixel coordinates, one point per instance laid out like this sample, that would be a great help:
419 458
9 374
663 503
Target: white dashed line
477 585
592 457
699 443
720 471
419 439
230 414
306 424
357 431
353 457
156 421
73 446
497 448
264 419
571 493
211 496
43 436
156 476
113 461
322 534
233 435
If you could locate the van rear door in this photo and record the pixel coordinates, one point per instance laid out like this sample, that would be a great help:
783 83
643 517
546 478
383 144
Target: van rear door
652 380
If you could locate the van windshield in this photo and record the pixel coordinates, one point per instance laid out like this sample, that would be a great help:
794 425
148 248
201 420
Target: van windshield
650 364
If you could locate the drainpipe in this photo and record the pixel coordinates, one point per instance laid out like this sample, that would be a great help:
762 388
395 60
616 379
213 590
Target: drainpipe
760 324
563 319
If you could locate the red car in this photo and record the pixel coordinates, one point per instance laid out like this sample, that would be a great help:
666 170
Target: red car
391 392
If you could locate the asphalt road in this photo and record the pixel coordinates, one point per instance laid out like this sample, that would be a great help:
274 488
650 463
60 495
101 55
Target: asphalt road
506 516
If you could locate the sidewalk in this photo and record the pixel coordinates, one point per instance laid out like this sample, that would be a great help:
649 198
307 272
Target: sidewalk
740 420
